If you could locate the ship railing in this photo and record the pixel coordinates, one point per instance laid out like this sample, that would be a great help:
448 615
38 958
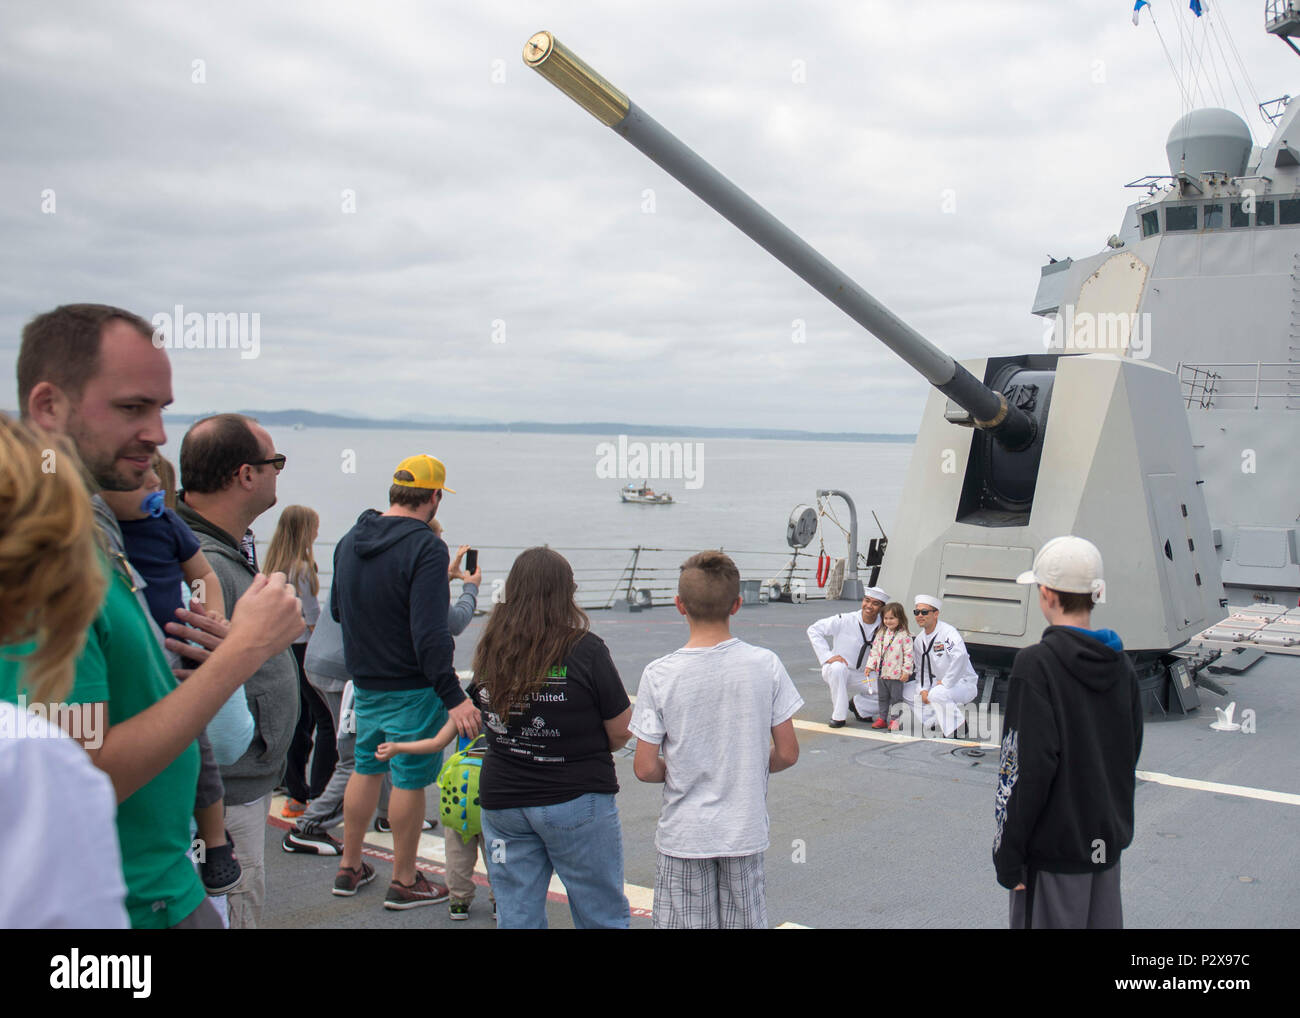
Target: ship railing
1228 385
606 576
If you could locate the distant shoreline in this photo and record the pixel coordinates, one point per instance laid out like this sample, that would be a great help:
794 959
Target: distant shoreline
313 419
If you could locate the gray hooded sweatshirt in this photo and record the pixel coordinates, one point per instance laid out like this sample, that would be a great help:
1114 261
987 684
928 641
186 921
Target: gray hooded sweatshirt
272 692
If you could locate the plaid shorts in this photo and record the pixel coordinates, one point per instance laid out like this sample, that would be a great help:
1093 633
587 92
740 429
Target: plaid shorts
727 893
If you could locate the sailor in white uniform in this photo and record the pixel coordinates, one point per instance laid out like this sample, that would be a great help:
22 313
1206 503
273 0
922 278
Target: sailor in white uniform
841 643
944 679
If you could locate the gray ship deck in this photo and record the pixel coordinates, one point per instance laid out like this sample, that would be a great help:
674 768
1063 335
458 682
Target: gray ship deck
897 832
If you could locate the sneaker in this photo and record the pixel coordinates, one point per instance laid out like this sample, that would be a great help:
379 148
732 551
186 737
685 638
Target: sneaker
293 809
880 723
311 843
421 892
349 881
458 908
895 725
384 827
220 870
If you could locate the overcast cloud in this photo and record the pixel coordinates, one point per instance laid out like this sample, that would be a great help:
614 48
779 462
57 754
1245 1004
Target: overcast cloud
483 195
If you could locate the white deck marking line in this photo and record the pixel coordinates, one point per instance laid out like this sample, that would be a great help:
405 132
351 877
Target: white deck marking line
879 736
1155 777
434 850
883 736
1243 791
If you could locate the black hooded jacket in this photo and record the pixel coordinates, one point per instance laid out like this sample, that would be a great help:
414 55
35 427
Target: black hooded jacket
1071 737
391 594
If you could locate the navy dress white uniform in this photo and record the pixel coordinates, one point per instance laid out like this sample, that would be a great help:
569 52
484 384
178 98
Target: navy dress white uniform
943 667
849 637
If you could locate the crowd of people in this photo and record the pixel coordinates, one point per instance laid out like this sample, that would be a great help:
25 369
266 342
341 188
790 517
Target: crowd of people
191 710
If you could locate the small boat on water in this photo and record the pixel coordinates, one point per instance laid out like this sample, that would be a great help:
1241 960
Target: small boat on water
643 494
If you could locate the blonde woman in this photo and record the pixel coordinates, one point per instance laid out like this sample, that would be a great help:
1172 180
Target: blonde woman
291 553
62 866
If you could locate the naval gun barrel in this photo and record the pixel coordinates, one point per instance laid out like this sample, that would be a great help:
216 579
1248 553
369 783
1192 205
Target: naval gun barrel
989 410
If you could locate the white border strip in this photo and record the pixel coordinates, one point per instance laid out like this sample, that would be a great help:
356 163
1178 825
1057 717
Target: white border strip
1243 791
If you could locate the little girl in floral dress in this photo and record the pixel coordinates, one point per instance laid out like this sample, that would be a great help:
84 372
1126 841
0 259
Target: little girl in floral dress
891 657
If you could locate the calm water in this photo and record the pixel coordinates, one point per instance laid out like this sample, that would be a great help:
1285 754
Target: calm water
518 490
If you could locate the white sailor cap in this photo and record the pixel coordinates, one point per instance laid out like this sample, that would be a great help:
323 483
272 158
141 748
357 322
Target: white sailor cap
877 594
926 599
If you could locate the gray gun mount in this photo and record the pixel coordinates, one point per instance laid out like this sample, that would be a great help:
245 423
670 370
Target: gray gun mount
1088 444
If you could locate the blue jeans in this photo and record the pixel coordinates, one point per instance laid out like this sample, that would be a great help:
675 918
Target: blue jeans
581 840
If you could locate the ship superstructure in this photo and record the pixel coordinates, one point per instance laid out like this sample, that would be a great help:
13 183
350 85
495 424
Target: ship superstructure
1203 278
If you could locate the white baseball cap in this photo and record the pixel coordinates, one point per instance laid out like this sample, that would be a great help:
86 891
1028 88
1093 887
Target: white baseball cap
1070 564
877 594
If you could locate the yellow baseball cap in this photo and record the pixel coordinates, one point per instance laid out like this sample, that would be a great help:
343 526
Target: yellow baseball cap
427 471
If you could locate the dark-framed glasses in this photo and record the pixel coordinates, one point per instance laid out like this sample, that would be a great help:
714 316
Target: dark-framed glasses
278 461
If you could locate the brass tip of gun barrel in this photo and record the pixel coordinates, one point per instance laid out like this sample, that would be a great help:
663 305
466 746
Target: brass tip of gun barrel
571 75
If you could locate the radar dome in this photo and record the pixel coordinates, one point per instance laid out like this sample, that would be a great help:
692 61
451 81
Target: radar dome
1209 141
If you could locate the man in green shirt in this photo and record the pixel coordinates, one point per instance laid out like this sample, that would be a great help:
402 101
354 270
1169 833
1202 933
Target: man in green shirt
92 372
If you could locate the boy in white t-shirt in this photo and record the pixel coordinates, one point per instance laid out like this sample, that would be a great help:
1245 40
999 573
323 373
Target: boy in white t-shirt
722 710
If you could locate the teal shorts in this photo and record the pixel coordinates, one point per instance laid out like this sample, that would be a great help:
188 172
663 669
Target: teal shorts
402 715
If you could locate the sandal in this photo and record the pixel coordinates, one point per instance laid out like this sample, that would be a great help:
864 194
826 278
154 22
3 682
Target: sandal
220 869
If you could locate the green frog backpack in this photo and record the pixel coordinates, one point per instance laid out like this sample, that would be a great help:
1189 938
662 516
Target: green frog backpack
458 785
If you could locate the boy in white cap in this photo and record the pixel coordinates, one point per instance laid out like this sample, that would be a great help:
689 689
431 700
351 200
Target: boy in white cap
1071 738
944 679
841 643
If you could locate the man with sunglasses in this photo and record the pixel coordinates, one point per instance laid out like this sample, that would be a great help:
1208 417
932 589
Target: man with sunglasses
229 468
944 679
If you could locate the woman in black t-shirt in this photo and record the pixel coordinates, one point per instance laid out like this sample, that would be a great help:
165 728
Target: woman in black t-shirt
554 709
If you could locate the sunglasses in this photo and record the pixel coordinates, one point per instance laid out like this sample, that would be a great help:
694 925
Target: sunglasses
123 569
278 461
922 611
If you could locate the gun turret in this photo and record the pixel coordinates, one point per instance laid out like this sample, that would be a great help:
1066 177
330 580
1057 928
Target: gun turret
1119 470
988 409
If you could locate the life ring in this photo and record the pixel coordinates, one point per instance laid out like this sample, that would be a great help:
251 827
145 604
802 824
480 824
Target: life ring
823 569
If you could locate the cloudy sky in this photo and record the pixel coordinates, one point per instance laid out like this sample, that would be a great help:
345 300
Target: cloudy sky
425 226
